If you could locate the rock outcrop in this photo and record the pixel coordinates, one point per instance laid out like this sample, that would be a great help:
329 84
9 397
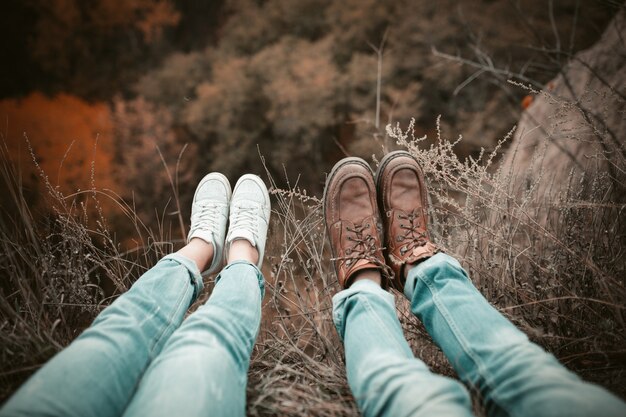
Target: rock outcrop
576 125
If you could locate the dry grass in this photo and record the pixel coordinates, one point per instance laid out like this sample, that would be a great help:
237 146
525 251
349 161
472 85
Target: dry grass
560 280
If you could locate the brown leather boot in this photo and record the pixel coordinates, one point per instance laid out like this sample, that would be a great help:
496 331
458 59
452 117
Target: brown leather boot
402 198
352 220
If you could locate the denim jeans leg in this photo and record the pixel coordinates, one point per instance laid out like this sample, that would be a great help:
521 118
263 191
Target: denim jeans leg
203 368
384 376
96 374
514 376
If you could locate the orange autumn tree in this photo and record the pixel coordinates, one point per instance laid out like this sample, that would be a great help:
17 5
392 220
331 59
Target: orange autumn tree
70 141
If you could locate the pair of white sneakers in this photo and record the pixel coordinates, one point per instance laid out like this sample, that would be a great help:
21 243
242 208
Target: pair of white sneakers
246 210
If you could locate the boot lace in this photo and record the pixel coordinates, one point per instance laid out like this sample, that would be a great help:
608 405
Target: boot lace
414 231
363 247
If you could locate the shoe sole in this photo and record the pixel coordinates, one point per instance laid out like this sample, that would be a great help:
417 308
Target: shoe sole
381 167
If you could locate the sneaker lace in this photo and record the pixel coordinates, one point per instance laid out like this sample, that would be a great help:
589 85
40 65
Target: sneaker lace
245 217
414 231
206 217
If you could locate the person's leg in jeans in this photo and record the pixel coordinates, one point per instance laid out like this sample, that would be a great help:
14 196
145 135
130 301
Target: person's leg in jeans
202 369
96 375
383 375
513 376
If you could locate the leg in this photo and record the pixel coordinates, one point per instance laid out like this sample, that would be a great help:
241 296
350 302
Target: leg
203 367
96 375
383 375
514 376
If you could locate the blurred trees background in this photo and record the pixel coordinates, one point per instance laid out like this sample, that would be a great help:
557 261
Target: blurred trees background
293 80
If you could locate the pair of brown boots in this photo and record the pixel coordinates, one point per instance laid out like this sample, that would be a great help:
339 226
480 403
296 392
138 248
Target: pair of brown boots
353 201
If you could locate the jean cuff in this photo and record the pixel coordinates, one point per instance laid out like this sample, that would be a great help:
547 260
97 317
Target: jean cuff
422 267
364 286
194 272
241 267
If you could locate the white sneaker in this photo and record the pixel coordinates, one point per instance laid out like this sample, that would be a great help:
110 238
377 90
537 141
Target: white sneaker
209 214
250 213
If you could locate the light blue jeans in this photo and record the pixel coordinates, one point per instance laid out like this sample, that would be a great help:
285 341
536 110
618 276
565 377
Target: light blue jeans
137 359
513 376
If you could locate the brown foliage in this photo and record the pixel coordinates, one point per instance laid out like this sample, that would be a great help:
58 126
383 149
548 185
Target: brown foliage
70 141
